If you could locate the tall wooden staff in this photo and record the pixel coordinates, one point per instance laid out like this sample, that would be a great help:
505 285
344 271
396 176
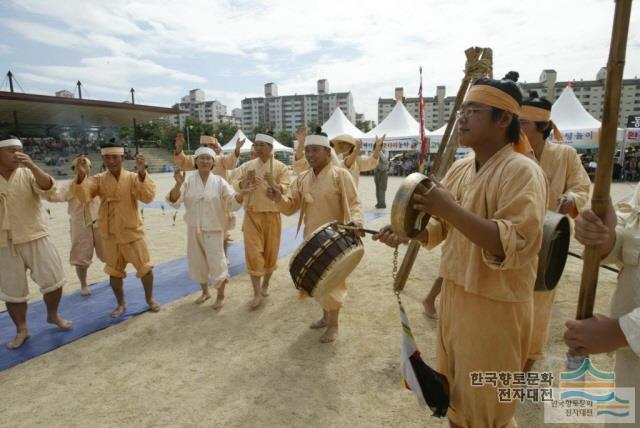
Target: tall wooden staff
479 64
607 145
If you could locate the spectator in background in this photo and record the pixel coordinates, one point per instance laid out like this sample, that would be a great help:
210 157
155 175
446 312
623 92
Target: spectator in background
380 178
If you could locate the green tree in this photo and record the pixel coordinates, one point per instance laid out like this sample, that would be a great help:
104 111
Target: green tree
285 138
224 131
363 125
262 128
312 125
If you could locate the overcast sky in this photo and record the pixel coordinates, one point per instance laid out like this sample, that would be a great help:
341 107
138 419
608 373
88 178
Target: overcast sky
231 48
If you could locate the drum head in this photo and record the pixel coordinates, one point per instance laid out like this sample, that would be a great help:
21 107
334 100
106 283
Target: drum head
553 254
338 272
405 220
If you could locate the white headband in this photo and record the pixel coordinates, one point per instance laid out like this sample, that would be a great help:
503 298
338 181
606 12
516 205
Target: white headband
112 151
204 151
264 138
316 140
11 142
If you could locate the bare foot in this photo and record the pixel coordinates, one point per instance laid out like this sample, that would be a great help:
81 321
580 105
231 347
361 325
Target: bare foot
62 323
153 306
330 334
203 298
265 290
430 309
257 301
219 303
19 340
85 291
321 323
118 311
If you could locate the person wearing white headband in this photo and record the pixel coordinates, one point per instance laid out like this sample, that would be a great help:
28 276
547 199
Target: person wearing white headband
24 240
351 149
324 193
569 186
261 227
121 227
207 199
85 234
222 167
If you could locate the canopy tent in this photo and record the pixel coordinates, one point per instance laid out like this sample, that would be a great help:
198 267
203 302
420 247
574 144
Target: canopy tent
435 139
401 129
398 124
231 145
339 124
46 110
579 129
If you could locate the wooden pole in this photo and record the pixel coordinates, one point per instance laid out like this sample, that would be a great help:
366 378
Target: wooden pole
448 146
607 145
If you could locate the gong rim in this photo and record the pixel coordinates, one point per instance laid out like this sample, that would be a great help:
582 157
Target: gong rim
552 257
403 216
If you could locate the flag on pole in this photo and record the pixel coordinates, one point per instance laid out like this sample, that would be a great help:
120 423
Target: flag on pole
431 388
423 138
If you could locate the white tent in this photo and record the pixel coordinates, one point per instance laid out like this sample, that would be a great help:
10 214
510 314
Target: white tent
339 124
579 129
231 145
401 129
398 124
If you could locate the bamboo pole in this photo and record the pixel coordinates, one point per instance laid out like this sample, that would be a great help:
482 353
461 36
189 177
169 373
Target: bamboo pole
607 145
479 63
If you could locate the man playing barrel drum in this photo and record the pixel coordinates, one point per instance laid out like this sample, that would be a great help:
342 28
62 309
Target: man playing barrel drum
489 211
568 193
325 193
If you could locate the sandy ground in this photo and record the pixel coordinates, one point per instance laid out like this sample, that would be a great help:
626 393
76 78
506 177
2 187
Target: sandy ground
191 366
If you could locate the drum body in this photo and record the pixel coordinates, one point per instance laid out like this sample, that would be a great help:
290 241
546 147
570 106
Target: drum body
325 259
553 254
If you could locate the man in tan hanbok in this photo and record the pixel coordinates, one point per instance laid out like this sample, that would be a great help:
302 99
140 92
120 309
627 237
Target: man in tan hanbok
85 234
24 240
489 211
355 162
568 193
121 227
262 223
323 194
347 148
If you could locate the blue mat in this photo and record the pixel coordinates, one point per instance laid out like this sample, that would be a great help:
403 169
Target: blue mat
172 282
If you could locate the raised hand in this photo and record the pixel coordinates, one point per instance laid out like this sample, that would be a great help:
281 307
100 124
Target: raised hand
377 146
301 134
82 167
141 167
179 142
179 176
240 143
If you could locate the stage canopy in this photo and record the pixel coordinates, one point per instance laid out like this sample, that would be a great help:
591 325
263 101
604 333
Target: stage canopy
46 111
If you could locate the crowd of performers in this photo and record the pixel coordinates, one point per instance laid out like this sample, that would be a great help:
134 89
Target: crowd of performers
487 213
